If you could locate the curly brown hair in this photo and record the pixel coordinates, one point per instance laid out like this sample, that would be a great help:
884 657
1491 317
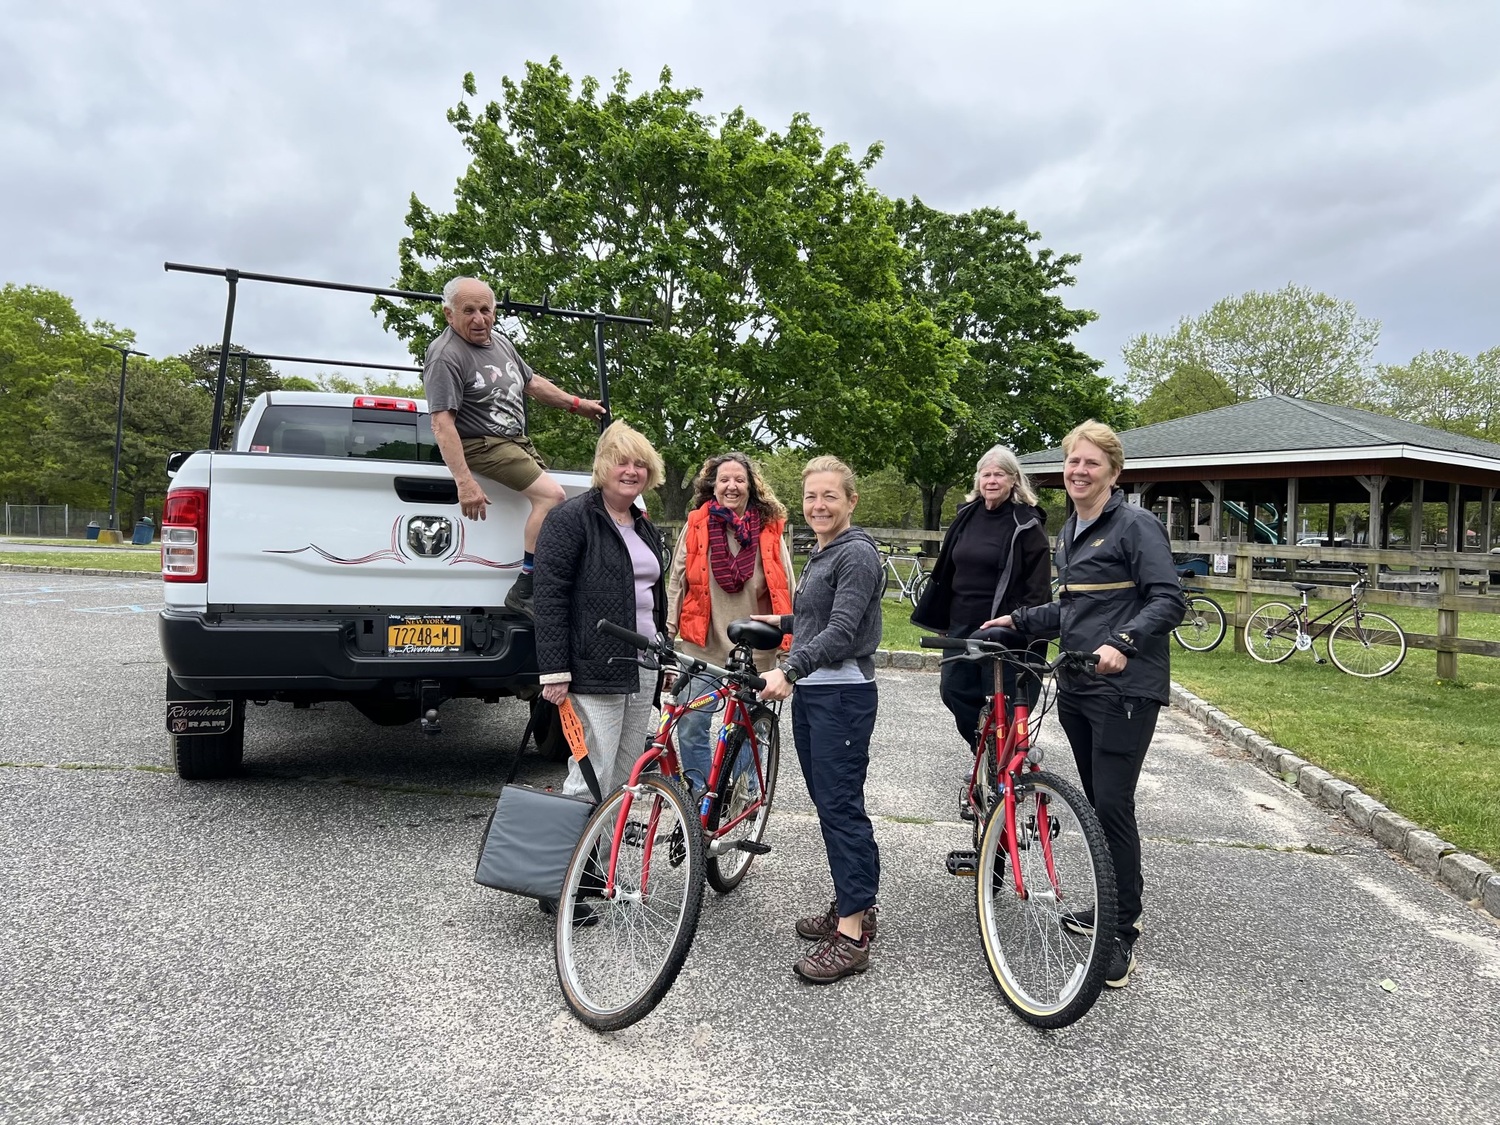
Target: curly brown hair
762 497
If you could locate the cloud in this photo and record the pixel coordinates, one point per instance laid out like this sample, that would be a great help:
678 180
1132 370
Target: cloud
1187 151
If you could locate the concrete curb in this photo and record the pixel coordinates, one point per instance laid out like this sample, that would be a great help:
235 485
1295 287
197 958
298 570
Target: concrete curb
924 661
97 572
1467 876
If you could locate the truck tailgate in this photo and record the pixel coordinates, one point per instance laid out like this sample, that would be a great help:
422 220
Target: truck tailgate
317 531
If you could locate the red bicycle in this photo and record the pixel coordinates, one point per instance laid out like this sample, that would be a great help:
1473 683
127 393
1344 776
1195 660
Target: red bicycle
1046 928
634 887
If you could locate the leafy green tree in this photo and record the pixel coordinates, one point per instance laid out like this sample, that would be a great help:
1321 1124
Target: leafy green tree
203 362
391 384
1443 389
768 266
1189 389
42 339
1291 342
1017 378
260 376
394 385
166 409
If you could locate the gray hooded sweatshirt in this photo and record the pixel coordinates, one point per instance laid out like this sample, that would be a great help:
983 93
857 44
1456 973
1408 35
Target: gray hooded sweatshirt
836 613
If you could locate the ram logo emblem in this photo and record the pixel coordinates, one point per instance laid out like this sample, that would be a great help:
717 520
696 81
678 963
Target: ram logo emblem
429 536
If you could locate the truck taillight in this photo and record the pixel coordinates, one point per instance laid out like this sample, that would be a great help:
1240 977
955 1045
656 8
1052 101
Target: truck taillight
381 402
184 536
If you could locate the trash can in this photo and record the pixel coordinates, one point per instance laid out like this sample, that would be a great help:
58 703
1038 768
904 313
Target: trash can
92 531
145 531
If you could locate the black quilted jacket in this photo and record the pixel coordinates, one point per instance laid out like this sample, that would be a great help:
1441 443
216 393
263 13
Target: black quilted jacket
583 573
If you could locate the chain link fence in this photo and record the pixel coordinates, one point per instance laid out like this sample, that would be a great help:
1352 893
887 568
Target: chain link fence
52 521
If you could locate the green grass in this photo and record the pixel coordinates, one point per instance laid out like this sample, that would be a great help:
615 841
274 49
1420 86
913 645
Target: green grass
142 560
1428 749
897 631
126 546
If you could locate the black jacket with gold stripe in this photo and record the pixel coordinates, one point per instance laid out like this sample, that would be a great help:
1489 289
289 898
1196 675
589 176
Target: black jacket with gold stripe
1117 585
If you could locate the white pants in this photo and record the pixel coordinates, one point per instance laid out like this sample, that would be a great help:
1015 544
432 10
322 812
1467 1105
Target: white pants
614 729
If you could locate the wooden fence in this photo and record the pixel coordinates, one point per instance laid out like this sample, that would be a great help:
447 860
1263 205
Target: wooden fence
1258 568
1449 582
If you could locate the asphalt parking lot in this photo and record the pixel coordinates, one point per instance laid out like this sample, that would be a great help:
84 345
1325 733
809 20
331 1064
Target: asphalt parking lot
305 943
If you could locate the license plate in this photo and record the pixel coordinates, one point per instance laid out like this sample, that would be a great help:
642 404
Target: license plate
423 636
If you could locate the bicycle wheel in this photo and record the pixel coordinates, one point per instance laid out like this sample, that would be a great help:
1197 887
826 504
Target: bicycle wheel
1048 975
1366 645
1271 633
919 586
728 863
616 957
1203 627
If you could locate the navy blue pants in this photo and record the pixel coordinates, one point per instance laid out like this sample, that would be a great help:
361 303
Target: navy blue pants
1109 748
831 728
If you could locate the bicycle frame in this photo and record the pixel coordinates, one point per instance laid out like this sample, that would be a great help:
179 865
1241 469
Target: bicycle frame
660 751
1305 623
1013 761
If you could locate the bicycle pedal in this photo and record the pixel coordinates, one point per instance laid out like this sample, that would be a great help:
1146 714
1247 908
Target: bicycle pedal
754 847
963 863
966 812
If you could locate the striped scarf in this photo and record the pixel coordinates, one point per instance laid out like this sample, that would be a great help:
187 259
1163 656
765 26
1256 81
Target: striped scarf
732 571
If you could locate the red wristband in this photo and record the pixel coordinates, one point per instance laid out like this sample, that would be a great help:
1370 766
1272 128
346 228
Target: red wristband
574 408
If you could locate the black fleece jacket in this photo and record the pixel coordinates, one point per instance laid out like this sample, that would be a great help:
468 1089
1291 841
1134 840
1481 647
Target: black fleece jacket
584 573
1025 572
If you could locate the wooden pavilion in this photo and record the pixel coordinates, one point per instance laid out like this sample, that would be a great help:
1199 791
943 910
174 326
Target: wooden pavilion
1250 471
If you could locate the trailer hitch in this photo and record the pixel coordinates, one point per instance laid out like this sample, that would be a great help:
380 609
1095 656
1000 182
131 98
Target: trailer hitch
429 698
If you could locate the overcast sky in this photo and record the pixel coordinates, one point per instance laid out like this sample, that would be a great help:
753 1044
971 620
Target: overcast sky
1187 151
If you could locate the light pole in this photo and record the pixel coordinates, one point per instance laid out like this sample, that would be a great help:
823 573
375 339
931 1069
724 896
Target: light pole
114 484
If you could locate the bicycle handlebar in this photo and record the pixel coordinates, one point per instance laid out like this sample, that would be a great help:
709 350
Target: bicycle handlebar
689 664
974 648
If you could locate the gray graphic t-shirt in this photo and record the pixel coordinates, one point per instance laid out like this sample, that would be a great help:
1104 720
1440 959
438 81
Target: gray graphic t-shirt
484 385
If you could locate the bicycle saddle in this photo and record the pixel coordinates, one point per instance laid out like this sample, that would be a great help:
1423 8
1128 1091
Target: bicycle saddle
1305 587
756 634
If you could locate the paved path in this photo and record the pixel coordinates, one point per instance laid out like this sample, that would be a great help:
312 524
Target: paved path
305 944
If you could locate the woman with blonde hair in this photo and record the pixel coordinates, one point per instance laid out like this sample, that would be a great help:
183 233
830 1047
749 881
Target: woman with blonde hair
732 561
1118 597
598 556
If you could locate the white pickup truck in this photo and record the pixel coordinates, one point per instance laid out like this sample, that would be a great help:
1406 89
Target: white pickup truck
324 558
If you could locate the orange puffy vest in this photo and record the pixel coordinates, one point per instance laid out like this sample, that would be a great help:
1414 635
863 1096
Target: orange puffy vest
692 622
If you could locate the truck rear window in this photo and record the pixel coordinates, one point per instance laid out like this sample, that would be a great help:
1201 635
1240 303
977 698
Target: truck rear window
346 431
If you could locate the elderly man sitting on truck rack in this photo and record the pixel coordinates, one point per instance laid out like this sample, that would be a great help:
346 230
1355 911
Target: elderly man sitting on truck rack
475 380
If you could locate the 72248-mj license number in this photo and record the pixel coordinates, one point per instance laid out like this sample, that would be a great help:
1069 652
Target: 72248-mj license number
411 635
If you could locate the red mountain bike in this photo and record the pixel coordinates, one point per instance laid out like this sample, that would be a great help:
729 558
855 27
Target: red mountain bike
634 887
1042 829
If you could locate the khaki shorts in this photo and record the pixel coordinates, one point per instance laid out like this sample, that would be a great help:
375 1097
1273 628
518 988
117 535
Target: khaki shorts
514 462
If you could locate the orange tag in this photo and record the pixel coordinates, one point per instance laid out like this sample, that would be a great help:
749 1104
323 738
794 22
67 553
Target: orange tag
573 730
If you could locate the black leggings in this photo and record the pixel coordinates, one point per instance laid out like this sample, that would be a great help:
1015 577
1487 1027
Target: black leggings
1109 748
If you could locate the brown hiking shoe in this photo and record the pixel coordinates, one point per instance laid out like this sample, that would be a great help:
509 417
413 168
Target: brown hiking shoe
816 927
834 958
